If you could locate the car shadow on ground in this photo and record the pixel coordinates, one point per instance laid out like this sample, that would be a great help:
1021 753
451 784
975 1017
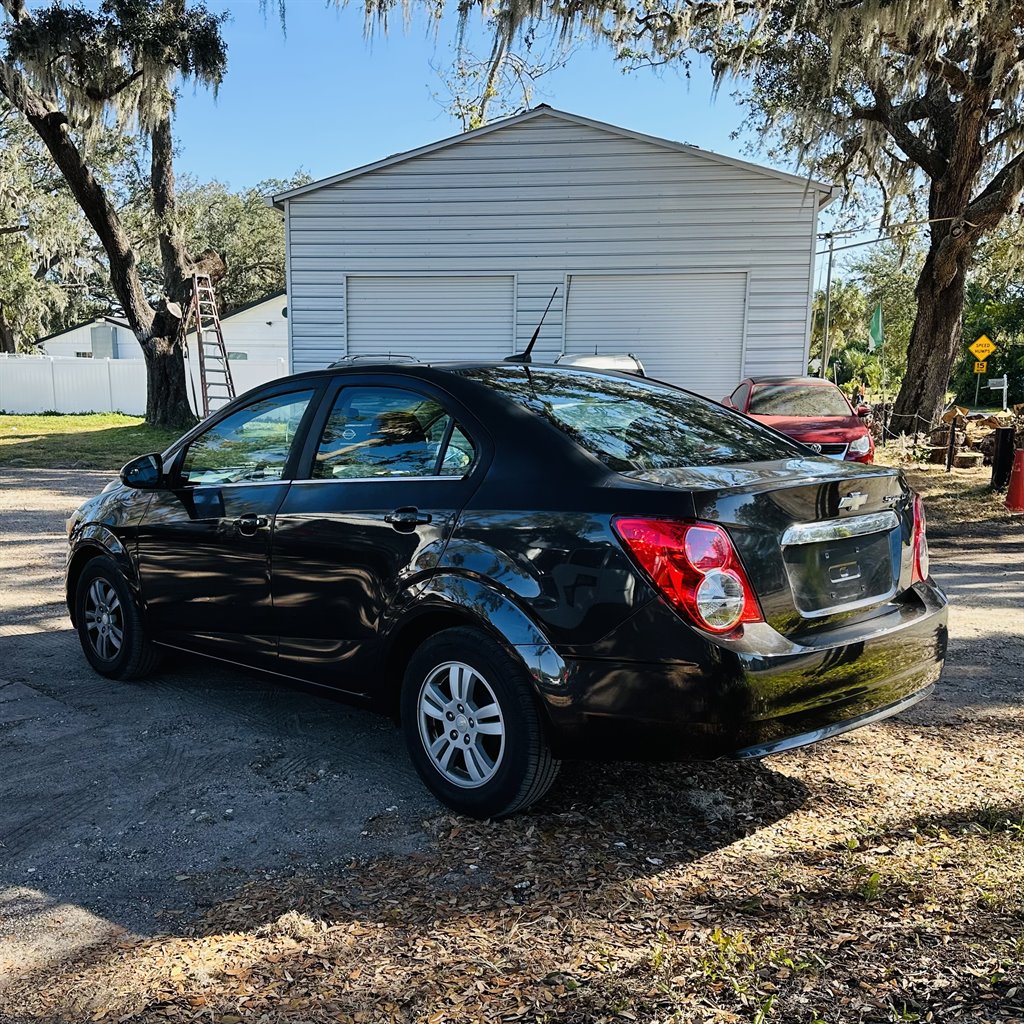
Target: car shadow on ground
602 827
148 803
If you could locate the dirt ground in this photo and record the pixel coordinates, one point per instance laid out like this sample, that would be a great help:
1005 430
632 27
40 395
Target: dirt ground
210 846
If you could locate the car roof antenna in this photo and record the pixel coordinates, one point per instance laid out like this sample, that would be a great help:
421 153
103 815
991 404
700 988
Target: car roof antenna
524 356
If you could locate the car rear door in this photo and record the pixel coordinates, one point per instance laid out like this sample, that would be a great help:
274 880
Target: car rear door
388 466
204 544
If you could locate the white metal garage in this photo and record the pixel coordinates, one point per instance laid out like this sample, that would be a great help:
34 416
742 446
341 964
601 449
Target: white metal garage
430 317
699 263
686 328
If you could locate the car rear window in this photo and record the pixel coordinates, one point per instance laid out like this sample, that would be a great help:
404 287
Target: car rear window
798 400
637 424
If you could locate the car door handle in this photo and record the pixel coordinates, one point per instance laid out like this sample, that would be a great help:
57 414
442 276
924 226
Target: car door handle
407 517
250 523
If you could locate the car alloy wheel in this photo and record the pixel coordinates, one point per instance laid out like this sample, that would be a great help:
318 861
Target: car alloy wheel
109 621
461 725
104 619
472 724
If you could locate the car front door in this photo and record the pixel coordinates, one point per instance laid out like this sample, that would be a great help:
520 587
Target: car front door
387 470
204 545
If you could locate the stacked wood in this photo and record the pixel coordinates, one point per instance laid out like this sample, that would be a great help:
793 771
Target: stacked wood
974 437
979 431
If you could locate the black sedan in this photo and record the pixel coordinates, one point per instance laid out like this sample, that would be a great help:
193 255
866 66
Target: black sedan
523 563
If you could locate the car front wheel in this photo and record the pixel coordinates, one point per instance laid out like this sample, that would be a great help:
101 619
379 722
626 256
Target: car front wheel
110 626
472 726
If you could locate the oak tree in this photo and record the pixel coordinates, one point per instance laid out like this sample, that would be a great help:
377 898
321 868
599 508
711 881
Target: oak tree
69 70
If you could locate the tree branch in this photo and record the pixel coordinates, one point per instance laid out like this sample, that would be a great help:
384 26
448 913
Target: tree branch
1006 133
15 8
105 95
45 266
950 72
172 250
923 155
998 197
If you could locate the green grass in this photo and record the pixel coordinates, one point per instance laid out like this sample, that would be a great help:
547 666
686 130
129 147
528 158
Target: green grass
103 440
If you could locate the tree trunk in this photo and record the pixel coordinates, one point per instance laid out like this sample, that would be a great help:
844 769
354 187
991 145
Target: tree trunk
7 341
935 344
167 386
167 403
173 257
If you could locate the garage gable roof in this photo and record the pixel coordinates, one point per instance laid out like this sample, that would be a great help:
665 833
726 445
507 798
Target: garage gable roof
545 111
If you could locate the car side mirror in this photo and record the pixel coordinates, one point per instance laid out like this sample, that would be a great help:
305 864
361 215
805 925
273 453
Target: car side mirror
728 403
144 473
863 410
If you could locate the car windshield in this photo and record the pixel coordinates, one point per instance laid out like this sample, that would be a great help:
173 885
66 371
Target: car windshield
637 424
798 400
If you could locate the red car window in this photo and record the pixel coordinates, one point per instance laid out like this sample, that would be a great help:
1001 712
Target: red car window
798 400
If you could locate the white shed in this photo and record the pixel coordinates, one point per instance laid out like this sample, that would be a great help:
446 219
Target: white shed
255 331
104 337
699 264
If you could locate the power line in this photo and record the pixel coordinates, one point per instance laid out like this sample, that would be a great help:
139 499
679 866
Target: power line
855 245
894 231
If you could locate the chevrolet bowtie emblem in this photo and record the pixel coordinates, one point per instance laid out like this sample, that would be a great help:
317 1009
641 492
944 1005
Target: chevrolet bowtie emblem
853 501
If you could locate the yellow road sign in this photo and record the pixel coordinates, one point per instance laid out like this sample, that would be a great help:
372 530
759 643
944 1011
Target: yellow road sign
980 366
982 348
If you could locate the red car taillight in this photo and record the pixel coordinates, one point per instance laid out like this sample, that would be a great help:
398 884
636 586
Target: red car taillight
696 567
919 544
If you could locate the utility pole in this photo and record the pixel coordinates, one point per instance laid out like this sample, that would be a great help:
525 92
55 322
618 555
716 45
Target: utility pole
828 306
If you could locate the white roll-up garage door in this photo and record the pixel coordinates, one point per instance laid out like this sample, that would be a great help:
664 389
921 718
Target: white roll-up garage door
434 319
686 328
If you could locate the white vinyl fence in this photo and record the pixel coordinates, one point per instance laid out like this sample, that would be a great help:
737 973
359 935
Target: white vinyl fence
55 384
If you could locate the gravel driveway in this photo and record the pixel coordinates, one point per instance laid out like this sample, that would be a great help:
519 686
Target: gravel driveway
124 805
134 806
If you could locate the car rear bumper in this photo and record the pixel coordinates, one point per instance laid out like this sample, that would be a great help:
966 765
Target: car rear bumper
825 732
745 703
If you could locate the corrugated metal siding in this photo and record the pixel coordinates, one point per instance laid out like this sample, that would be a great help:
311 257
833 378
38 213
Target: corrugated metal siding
432 318
686 328
543 199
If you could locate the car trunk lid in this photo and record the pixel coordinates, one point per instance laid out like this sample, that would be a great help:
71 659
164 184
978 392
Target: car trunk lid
822 541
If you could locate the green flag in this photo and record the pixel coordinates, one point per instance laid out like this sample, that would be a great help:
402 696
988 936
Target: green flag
875 335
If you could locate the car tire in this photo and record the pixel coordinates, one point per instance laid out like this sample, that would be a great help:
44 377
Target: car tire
110 627
472 725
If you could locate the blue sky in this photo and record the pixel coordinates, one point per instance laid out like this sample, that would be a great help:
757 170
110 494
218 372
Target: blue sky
323 98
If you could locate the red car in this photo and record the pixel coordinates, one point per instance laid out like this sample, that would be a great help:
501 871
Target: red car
810 410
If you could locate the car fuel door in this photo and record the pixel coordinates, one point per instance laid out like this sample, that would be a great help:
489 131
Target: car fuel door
384 485
204 546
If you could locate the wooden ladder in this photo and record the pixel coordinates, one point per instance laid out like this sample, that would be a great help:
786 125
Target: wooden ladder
214 369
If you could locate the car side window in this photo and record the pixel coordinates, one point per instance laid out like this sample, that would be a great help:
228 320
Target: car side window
389 432
251 444
739 396
458 455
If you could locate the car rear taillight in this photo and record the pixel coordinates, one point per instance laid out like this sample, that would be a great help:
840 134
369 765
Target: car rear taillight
696 567
919 542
